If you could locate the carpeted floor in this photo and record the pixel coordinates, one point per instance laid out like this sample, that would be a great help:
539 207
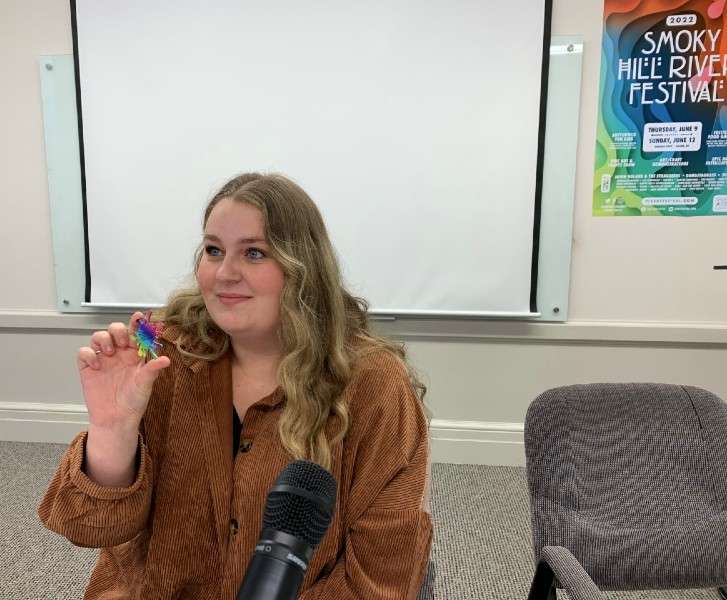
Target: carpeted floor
482 534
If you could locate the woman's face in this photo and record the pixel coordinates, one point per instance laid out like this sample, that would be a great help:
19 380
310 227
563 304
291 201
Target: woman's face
240 282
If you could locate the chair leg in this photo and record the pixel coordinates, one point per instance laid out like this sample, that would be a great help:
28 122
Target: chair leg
543 586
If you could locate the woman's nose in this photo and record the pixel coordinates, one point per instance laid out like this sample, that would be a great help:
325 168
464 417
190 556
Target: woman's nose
229 270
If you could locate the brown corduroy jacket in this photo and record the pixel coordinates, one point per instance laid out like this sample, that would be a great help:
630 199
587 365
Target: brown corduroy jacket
187 526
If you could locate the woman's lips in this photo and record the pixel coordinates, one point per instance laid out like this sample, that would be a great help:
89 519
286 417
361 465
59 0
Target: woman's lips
232 299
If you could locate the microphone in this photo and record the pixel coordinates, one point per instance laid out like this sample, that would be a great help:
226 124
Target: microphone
298 512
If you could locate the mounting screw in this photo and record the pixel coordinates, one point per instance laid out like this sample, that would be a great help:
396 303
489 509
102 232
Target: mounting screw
48 67
66 302
570 48
556 310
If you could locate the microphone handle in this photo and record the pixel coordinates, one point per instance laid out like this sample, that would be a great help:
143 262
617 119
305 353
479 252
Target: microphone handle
269 578
277 567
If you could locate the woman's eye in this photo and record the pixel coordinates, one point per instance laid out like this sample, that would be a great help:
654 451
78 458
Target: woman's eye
211 250
254 253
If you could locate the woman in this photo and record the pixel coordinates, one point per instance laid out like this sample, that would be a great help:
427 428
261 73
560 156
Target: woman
266 360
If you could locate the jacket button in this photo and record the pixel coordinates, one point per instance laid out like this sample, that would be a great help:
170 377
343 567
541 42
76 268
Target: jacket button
245 445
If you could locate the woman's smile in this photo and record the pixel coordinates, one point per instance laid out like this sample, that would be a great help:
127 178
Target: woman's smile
232 298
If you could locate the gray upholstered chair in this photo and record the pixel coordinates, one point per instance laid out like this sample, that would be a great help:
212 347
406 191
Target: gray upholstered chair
628 489
426 592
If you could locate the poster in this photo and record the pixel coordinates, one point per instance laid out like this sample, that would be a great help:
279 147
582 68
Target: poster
661 144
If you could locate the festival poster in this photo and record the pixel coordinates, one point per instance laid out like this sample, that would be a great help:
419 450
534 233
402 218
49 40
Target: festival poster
661 145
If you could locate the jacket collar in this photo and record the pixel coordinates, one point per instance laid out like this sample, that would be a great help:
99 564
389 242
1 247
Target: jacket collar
173 335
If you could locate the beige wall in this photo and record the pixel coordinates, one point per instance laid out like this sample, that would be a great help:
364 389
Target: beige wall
645 303
28 29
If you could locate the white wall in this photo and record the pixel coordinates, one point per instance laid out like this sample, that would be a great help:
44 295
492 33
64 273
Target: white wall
645 303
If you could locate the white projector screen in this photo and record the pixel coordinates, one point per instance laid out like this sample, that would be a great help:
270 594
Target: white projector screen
414 126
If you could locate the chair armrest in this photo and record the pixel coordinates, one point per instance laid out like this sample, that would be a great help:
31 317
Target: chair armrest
558 563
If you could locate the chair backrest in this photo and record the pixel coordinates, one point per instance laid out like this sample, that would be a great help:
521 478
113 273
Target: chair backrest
426 592
615 467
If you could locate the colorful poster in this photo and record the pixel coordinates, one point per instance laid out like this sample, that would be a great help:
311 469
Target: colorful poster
661 146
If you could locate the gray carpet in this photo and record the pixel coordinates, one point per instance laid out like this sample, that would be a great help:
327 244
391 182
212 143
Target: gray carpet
482 534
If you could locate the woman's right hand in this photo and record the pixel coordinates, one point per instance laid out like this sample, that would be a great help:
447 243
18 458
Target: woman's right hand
116 382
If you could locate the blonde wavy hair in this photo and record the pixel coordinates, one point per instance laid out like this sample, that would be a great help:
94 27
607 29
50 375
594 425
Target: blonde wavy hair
324 329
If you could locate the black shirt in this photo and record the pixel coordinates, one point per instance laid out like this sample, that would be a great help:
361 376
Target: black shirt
236 430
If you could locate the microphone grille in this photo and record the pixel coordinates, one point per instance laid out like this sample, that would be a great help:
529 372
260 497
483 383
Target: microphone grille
305 511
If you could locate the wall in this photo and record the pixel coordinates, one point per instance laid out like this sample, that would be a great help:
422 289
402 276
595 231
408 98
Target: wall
645 303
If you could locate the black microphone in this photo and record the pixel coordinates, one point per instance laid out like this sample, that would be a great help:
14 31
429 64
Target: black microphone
298 512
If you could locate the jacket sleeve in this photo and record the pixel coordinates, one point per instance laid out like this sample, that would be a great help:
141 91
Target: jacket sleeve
92 515
388 525
96 516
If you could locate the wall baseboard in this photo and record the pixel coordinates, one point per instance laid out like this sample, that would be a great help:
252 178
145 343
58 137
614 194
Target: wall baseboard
462 442
48 423
477 442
